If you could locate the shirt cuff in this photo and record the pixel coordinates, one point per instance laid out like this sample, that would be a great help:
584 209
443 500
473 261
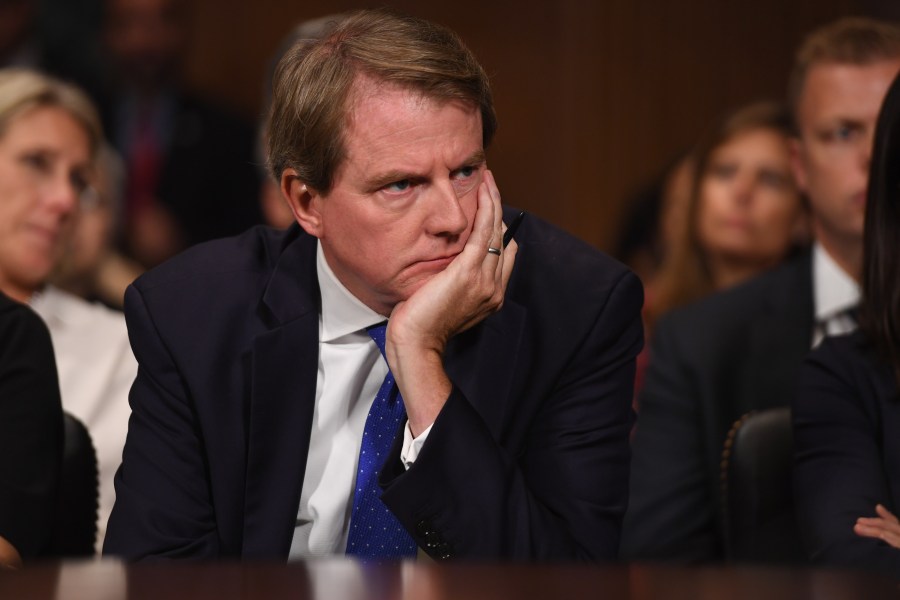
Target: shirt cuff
412 446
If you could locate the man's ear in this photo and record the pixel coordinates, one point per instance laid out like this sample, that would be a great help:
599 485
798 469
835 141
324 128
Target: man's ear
798 163
304 202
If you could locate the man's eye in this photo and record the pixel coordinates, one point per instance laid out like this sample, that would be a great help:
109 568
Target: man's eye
842 133
465 172
398 186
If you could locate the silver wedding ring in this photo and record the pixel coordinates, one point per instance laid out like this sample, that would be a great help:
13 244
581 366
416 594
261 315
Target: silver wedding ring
494 251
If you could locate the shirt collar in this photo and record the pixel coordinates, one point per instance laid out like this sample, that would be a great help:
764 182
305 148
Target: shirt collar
835 291
342 312
50 303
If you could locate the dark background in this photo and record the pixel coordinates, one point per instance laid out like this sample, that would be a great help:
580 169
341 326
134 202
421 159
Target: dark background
594 97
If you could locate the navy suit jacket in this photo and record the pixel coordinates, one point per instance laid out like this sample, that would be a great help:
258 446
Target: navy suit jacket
710 363
528 458
847 452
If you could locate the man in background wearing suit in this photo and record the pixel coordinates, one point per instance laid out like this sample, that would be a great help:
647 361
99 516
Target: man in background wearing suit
259 355
740 350
177 145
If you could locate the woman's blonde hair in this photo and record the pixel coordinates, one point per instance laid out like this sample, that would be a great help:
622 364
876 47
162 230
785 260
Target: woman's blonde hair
22 90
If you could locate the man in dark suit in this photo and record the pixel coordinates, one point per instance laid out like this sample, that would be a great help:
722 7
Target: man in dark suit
250 432
190 164
740 350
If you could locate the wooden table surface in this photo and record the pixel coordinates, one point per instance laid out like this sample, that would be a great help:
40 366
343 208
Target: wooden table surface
340 579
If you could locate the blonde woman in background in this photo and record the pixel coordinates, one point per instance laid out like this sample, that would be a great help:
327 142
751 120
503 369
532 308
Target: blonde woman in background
91 267
49 138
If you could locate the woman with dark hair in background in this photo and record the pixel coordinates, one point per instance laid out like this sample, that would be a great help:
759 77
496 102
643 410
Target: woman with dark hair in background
744 214
847 412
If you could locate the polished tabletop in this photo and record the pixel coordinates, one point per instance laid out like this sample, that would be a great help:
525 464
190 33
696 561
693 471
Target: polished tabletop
340 579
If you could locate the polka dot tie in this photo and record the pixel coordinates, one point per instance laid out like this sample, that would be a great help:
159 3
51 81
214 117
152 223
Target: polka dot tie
375 533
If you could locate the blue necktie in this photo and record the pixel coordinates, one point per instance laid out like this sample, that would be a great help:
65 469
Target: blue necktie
375 533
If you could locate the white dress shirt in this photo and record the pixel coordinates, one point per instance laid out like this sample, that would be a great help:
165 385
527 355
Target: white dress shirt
96 369
834 292
351 370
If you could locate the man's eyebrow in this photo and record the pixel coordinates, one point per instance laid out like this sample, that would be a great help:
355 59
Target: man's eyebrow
379 181
476 158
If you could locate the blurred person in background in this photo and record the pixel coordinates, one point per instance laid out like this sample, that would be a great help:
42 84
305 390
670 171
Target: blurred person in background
741 214
655 216
744 214
19 43
739 350
91 267
31 434
169 136
847 411
50 136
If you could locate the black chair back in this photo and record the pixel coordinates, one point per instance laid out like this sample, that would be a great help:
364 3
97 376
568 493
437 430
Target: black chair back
76 513
757 490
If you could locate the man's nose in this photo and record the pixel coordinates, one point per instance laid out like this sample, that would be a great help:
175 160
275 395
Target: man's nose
866 150
447 216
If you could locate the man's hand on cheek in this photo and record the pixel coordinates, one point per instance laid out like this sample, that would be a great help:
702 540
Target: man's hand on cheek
470 289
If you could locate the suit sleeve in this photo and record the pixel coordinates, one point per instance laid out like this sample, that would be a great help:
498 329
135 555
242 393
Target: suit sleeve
163 504
561 496
30 431
839 468
670 514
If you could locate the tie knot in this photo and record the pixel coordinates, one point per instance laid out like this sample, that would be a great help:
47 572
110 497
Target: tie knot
377 333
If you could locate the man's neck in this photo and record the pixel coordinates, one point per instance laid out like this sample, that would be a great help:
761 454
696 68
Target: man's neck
846 253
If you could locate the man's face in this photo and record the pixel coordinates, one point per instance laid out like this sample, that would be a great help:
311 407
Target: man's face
403 201
146 38
836 115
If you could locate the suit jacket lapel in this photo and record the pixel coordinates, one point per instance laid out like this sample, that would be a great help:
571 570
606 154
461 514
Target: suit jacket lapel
780 340
282 399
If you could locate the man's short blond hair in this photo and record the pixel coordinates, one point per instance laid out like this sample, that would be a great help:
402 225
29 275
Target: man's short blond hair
314 82
850 41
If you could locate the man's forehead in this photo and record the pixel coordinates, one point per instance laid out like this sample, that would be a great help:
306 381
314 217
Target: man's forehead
846 87
377 108
393 131
368 92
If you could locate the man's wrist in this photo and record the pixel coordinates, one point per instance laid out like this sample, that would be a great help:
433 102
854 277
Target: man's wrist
423 384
